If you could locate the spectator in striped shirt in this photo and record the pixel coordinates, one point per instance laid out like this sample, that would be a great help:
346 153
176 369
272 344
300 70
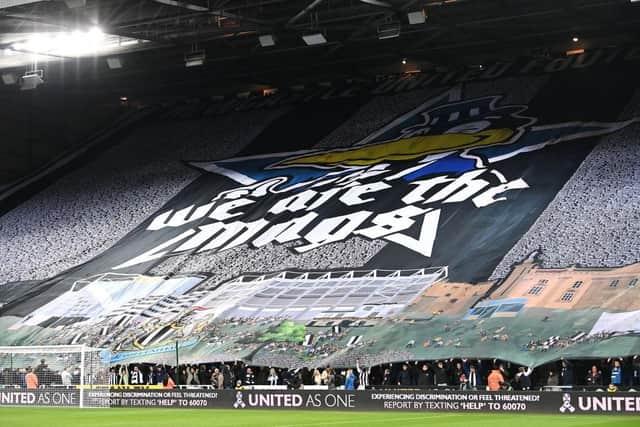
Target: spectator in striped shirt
363 375
136 376
113 377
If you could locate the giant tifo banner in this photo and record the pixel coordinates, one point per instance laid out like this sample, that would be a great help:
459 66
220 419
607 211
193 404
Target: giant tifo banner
367 400
434 235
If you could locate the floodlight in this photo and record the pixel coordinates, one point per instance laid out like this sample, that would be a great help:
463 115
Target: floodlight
194 59
388 31
314 39
418 17
32 79
9 78
114 63
267 40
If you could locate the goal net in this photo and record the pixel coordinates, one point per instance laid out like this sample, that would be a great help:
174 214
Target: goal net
70 375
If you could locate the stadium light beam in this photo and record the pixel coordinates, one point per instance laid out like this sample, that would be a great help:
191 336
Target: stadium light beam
76 43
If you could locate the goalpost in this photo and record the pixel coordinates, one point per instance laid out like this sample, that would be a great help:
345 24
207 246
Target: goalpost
64 375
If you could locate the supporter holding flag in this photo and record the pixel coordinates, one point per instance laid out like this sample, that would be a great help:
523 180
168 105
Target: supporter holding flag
404 378
249 377
495 380
195 378
350 380
441 376
523 378
237 370
363 375
463 381
331 379
75 375
217 379
413 372
552 381
317 377
22 375
566 373
158 375
594 377
459 376
227 375
474 380
273 377
189 376
150 376
616 373
386 377
31 379
124 375
42 367
505 372
113 377
136 376
65 377
324 376
168 382
425 377
203 375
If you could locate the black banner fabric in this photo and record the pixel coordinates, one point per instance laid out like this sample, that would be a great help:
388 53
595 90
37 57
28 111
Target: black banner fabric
562 403
327 240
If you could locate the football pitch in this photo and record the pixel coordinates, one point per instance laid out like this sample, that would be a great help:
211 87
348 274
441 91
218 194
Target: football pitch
43 417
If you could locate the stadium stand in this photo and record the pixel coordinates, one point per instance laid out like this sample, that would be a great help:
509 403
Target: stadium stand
606 180
101 208
87 211
97 205
377 206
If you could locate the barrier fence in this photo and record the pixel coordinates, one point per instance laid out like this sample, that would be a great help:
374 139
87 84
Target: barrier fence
564 403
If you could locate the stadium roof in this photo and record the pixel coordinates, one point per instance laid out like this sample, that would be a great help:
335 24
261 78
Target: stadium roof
151 37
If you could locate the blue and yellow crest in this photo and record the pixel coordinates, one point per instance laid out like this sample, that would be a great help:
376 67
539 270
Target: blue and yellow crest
445 135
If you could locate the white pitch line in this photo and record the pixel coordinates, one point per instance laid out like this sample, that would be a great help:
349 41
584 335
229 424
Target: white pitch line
417 418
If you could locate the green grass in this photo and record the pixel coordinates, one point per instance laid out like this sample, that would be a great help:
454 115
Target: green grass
44 417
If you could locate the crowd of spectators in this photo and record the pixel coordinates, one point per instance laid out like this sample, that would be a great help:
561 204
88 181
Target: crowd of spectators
604 235
353 252
456 374
463 374
39 376
85 212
